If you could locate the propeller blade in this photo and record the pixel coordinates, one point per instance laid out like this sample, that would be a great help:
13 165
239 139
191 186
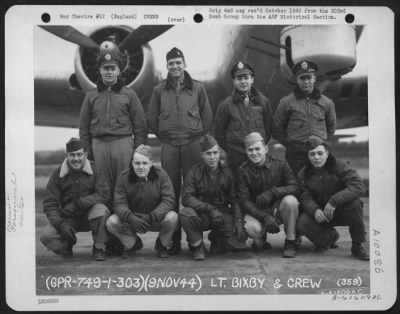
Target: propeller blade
359 30
142 35
71 34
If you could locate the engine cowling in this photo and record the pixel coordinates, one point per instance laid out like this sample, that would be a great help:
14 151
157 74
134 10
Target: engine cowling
137 70
331 47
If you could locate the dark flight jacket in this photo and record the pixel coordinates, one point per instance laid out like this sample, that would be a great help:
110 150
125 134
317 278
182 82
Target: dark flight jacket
298 117
177 117
204 191
82 189
153 195
233 121
116 113
274 177
336 182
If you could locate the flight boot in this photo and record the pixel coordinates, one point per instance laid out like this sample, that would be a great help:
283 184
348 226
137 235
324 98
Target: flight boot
136 247
358 250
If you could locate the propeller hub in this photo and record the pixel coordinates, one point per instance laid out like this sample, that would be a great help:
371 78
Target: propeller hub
109 39
109 47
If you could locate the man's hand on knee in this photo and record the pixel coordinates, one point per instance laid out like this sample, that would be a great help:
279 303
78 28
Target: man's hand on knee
320 216
217 219
329 210
138 224
239 231
67 232
69 210
271 224
264 199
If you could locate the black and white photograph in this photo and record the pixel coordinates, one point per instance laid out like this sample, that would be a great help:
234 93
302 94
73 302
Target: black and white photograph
225 155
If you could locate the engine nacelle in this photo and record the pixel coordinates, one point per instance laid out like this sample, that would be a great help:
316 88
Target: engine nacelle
138 69
331 47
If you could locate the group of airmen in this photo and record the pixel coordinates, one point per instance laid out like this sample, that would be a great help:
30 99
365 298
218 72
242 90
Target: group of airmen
227 183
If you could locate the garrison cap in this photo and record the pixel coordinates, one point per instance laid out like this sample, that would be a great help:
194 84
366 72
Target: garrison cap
253 138
109 54
207 142
74 144
304 66
241 68
175 53
145 150
314 141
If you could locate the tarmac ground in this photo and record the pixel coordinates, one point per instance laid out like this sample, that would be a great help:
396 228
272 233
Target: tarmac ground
332 272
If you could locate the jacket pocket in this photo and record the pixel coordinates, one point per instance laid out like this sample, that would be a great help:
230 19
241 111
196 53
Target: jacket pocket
122 125
234 132
234 125
194 121
295 124
123 120
95 126
163 115
297 129
163 123
318 113
94 121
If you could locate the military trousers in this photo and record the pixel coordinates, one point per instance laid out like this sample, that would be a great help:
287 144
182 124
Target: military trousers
349 214
94 220
235 159
112 157
194 224
286 214
128 237
297 158
177 160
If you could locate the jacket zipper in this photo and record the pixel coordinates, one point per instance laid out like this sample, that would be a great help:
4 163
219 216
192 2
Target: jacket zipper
108 108
263 179
246 112
143 208
309 115
177 103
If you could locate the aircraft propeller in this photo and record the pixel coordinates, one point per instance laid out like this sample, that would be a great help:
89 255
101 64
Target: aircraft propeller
142 35
131 43
138 37
71 34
